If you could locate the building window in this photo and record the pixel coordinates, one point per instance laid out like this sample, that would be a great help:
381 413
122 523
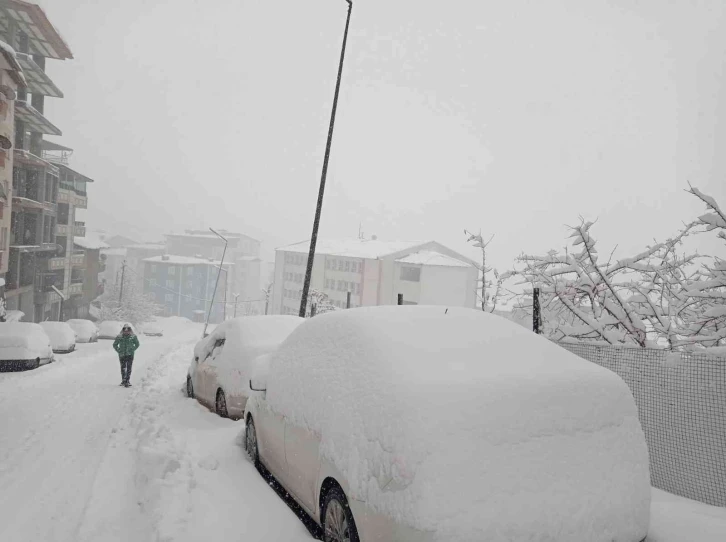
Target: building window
411 274
153 268
190 270
152 282
347 266
171 270
169 283
354 267
169 297
356 289
190 284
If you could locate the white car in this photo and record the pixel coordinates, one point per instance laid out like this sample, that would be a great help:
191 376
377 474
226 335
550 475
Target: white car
24 345
219 374
86 331
62 336
110 329
152 329
423 423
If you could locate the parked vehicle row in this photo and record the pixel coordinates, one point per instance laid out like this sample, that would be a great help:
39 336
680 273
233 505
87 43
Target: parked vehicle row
425 423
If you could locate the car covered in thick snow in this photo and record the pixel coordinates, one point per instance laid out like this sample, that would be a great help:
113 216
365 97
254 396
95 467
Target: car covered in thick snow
86 331
110 329
423 423
219 374
152 329
24 345
62 337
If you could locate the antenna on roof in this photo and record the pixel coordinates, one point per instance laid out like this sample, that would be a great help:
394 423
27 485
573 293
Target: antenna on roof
360 230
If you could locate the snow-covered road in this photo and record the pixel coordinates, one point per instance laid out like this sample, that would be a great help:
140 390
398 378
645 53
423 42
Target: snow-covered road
82 459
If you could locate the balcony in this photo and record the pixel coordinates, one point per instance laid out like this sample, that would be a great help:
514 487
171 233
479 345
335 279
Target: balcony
67 194
38 80
56 264
79 229
27 204
75 288
34 119
78 260
61 229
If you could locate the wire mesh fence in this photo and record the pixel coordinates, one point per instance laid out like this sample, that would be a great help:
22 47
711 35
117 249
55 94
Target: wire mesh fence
681 401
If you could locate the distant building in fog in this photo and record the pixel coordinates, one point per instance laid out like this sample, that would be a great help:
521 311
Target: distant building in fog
375 272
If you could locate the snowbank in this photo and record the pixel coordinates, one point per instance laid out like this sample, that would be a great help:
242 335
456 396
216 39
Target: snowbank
467 425
675 519
24 341
62 337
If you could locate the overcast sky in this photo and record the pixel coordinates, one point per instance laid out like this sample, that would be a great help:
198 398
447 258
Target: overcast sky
513 117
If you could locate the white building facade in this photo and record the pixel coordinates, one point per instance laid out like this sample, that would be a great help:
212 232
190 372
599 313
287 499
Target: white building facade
375 273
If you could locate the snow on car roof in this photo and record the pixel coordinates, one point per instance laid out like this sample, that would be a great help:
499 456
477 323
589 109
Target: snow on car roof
531 438
22 334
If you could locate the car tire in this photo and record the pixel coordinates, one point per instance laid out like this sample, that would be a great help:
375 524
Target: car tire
251 444
220 404
190 387
336 518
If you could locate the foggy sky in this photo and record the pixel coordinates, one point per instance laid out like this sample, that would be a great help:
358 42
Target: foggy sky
513 117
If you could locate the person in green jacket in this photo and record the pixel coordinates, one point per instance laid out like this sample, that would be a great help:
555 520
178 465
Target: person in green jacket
125 345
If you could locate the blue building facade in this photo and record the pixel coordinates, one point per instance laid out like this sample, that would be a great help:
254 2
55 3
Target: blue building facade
184 286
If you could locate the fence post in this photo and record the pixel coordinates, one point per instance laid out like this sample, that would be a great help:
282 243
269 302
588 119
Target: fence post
536 317
313 310
400 299
347 301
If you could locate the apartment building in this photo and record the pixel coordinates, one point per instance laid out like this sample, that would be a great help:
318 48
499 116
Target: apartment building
11 78
242 250
184 286
44 265
375 272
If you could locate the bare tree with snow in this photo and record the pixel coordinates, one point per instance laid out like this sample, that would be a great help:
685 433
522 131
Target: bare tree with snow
488 302
134 306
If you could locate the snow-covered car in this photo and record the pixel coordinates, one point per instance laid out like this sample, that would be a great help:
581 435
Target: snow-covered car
24 345
86 331
62 337
152 329
219 374
110 329
421 423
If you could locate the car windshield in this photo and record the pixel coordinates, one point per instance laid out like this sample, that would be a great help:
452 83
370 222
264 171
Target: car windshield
412 271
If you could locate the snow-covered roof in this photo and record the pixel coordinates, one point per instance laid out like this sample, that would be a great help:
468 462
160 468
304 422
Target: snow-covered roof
430 257
148 246
184 260
121 252
354 248
90 242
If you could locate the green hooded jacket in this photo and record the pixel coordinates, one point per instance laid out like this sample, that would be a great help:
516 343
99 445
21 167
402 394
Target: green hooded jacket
126 345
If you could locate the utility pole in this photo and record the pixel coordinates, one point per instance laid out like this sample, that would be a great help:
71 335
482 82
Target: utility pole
235 304
321 192
123 272
536 314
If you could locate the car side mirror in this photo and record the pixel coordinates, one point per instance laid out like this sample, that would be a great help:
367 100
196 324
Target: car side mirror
258 384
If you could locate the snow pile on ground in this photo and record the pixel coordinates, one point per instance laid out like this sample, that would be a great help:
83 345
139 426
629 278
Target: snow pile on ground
23 340
62 336
675 519
462 423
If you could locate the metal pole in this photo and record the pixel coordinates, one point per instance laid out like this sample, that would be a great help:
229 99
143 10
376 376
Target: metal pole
400 299
219 272
235 304
536 317
318 208
224 317
347 301
123 272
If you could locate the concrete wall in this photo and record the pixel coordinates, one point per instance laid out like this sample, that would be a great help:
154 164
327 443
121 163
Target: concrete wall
7 126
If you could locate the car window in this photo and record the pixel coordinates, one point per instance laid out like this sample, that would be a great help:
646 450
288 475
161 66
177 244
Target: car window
217 350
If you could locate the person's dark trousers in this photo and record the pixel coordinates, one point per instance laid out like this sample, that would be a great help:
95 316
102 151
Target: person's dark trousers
126 363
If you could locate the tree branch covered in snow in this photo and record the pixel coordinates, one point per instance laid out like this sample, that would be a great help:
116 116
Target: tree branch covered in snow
488 302
321 301
134 307
657 295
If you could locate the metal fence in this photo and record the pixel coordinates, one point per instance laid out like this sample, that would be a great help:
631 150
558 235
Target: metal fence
682 407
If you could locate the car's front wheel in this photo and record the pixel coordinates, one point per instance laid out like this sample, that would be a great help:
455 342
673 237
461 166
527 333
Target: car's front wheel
221 404
190 387
251 443
337 519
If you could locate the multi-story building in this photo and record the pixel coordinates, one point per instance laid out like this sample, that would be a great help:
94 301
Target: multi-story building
184 286
95 264
43 264
242 250
11 78
375 273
